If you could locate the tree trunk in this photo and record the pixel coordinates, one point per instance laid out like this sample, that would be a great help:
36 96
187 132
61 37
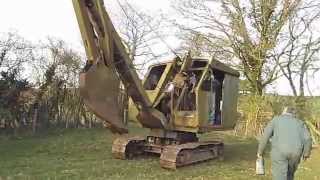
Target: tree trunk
34 122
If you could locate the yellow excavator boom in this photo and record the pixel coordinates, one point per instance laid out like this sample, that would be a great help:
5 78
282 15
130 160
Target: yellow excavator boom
108 63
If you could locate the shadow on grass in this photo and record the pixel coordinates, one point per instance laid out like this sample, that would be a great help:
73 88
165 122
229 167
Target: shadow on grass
240 151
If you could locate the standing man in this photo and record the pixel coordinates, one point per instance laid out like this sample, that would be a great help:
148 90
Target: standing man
291 141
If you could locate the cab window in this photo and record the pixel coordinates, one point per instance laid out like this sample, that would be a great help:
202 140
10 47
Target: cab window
153 77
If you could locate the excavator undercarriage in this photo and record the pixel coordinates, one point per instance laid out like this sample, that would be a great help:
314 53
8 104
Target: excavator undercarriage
177 149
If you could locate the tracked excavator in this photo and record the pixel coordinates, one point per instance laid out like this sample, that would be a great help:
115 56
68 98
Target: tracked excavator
176 101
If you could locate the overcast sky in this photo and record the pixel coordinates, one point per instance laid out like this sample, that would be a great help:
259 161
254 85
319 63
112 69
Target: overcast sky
37 19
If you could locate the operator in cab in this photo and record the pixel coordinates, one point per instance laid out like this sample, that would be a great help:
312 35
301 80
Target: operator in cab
291 142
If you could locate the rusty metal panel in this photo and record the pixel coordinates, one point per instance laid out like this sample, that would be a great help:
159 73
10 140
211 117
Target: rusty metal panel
132 111
186 119
87 34
229 101
223 67
202 107
202 99
99 87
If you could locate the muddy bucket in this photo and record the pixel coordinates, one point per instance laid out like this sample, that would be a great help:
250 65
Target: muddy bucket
100 89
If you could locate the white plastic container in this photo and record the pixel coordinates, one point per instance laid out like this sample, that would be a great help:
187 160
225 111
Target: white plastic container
260 166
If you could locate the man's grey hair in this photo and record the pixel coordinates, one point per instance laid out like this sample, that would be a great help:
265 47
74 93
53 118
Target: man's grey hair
289 110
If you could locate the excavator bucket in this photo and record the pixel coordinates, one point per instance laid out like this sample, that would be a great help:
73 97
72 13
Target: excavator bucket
100 89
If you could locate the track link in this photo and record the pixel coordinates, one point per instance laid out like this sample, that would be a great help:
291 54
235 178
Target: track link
127 147
174 156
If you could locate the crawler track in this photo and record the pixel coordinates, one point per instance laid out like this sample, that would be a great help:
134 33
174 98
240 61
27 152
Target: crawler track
171 156
127 147
175 156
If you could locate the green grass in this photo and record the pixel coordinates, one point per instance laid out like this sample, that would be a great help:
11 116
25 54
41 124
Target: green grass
86 154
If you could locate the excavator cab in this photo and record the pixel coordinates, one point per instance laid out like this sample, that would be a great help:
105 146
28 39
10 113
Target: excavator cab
204 97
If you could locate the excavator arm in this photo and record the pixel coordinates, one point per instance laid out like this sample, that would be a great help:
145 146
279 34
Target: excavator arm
109 64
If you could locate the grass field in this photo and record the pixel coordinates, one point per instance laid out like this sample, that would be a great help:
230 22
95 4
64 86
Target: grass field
86 154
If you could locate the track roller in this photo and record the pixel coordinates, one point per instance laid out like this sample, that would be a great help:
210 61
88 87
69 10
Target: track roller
175 156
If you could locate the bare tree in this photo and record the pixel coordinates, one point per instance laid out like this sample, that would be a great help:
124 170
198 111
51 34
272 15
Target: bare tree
58 67
200 45
140 33
249 30
15 52
299 57
53 98
196 43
